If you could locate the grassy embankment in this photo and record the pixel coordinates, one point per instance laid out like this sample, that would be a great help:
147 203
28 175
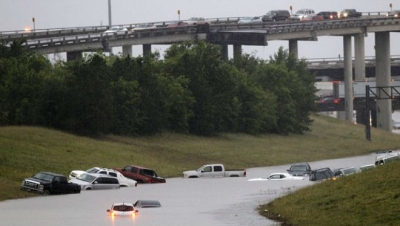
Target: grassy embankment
27 150
369 198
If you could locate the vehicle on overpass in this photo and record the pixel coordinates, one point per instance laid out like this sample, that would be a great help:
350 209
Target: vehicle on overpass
349 13
115 30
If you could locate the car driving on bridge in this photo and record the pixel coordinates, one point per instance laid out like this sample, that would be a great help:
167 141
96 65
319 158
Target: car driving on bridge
328 15
299 15
196 21
276 15
115 30
394 13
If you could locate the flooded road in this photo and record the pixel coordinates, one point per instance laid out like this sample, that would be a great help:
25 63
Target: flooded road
211 202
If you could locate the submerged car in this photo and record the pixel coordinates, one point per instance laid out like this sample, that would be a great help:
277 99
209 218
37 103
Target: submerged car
299 169
123 181
93 181
321 174
345 171
278 176
122 209
147 204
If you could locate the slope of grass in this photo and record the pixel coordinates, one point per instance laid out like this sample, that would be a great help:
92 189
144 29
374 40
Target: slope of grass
27 150
369 198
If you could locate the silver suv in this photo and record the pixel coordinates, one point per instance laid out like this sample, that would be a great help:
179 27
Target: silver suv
93 181
301 13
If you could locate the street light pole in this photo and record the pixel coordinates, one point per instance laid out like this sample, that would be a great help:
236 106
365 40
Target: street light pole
109 13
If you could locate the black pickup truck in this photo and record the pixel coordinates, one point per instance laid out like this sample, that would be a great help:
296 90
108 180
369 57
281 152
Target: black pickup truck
349 13
49 183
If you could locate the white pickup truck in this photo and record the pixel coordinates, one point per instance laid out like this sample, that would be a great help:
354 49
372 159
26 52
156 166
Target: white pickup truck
214 170
386 156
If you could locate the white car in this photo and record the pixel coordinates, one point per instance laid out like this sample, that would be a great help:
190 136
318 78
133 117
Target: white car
123 181
115 30
122 209
94 181
396 125
146 26
299 15
249 20
278 176
196 21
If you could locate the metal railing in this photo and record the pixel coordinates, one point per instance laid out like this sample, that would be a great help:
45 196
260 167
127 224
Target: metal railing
75 35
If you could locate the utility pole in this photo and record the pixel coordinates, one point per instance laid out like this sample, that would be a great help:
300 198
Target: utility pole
109 13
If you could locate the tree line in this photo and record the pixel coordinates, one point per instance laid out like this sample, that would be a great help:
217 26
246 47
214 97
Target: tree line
191 90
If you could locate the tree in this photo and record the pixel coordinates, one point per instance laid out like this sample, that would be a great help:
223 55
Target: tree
88 101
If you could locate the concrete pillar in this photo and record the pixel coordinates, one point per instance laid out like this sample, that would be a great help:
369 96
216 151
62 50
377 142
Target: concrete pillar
359 53
224 52
293 48
348 78
237 51
146 49
127 50
383 76
74 55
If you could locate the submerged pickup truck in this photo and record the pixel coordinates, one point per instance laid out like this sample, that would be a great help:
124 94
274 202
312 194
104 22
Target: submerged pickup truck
214 170
47 183
384 157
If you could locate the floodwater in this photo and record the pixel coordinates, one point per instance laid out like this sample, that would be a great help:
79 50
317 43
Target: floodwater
211 202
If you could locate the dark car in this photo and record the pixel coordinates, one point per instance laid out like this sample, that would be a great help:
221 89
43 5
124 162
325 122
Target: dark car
321 174
299 169
47 183
328 15
276 15
394 13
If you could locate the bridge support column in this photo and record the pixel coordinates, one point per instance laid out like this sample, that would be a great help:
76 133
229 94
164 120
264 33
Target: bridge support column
237 51
146 49
293 48
359 62
348 78
224 52
383 76
127 50
74 55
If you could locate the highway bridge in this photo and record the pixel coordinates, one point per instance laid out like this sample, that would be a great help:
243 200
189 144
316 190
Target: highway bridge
226 31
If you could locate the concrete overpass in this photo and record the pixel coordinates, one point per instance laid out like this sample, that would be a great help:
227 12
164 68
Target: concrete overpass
228 32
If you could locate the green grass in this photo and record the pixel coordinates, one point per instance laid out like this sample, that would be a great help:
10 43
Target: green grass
27 150
370 198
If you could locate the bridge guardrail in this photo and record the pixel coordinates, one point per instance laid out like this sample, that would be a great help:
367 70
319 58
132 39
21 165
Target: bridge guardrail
89 33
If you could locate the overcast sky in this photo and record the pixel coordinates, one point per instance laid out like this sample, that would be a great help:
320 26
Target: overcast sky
18 14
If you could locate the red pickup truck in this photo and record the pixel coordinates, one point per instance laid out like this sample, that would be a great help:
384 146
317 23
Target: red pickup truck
141 174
